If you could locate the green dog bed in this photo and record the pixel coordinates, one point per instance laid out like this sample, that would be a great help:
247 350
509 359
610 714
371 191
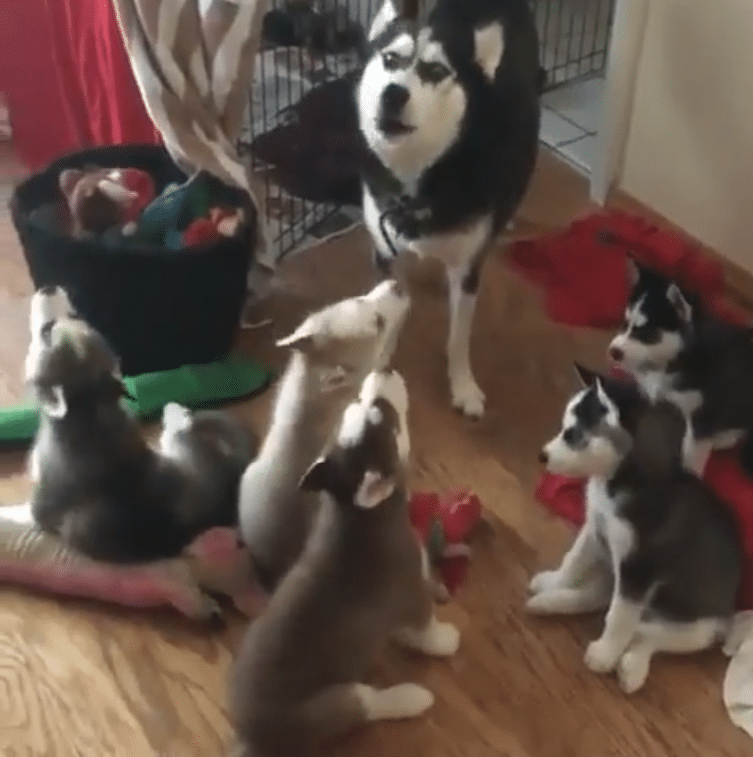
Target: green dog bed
194 386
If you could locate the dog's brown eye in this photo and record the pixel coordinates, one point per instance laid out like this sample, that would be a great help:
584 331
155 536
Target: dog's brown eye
46 330
391 60
433 71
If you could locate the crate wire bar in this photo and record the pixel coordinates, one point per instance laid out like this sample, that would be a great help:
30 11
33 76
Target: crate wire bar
574 38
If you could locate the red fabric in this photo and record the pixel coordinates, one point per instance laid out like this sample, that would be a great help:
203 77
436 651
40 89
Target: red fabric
455 515
67 79
584 274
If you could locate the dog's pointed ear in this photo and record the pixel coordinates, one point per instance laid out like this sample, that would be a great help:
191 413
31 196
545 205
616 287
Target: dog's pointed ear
586 375
53 401
301 339
679 303
387 14
374 489
489 43
319 477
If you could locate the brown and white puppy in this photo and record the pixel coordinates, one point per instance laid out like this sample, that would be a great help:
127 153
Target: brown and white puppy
97 483
361 580
332 351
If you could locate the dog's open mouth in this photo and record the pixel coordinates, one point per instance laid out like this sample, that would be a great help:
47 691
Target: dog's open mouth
394 127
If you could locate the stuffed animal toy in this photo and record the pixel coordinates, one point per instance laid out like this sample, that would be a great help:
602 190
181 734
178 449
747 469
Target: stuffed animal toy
444 525
101 199
215 563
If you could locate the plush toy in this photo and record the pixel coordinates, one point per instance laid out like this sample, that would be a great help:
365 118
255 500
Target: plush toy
444 525
102 199
215 563
165 219
220 222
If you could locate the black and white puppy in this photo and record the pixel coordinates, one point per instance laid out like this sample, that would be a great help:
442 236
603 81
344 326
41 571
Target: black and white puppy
96 482
677 349
450 112
658 548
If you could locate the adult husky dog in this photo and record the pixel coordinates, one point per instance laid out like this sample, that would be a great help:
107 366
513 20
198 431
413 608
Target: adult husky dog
450 111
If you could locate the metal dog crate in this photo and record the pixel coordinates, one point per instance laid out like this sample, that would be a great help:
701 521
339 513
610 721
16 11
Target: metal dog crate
574 38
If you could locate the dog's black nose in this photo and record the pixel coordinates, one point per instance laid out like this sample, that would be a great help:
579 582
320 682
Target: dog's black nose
543 457
48 290
616 354
394 98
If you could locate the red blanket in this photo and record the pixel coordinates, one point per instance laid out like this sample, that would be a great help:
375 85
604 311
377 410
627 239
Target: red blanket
67 78
583 273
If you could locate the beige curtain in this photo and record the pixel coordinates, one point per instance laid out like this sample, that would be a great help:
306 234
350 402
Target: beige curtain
193 61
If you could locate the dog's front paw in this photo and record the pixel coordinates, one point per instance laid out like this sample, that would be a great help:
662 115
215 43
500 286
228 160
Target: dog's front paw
632 670
601 656
546 580
467 395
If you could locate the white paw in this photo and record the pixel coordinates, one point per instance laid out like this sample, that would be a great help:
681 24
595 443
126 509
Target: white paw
410 699
547 580
601 657
406 700
444 640
467 396
544 603
632 671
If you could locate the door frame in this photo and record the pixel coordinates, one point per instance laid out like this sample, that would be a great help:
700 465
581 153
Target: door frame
623 58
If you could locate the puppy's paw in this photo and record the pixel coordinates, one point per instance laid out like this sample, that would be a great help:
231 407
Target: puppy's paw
406 700
467 396
546 580
545 603
601 656
444 640
632 670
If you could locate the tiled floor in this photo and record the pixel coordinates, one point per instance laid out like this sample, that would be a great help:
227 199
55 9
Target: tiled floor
569 121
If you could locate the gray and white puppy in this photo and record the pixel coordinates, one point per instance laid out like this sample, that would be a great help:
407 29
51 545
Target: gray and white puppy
361 581
658 548
678 350
332 351
97 483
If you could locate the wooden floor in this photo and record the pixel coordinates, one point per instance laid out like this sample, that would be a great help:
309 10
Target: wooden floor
83 680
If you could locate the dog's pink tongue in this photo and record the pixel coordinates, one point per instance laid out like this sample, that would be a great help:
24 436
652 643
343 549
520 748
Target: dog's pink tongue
217 545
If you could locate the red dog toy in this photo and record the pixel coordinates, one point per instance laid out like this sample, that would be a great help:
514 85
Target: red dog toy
444 524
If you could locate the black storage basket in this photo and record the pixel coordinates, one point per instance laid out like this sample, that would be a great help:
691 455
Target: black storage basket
158 308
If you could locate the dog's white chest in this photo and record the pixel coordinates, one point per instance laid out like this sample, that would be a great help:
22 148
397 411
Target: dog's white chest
659 384
602 515
454 249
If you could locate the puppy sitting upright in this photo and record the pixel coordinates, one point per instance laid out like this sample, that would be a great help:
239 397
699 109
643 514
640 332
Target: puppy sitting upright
97 483
360 581
658 546
678 350
332 352
450 113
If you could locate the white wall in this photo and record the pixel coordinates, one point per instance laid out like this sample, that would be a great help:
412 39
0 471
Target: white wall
689 152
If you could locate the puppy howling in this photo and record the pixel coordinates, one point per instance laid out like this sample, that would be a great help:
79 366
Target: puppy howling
658 547
332 351
97 483
450 113
678 350
360 581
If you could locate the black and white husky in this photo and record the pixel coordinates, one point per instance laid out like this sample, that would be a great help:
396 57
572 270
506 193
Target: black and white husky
677 349
450 111
658 547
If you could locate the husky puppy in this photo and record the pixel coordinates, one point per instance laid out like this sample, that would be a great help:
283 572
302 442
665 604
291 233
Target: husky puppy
332 351
658 547
450 112
678 350
361 581
97 483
